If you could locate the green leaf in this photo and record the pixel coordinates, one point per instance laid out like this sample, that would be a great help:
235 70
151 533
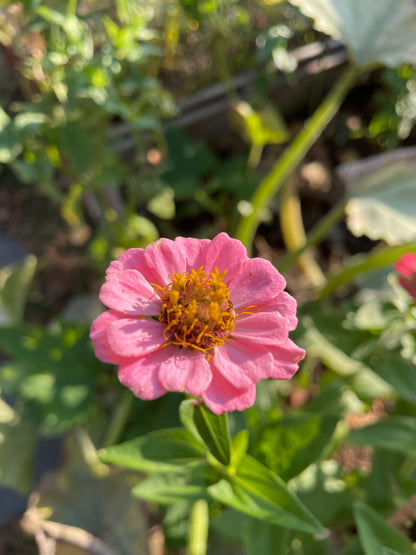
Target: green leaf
54 373
14 285
162 205
322 487
382 190
260 493
265 538
260 127
160 451
107 504
213 429
376 535
396 371
78 145
296 440
10 145
365 263
175 487
17 450
377 31
396 433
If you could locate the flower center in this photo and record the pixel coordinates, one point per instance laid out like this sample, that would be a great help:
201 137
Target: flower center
196 310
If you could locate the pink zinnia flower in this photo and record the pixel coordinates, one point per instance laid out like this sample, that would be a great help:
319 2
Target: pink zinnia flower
406 266
198 316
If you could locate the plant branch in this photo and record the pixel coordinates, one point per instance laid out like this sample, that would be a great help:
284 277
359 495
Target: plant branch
293 155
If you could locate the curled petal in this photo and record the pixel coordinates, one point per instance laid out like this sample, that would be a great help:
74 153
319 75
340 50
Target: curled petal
286 358
128 292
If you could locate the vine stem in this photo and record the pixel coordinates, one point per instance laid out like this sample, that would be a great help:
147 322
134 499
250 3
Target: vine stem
293 155
198 528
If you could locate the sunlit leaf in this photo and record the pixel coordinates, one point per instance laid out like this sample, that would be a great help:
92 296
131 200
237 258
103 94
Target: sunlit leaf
160 451
382 192
169 488
396 433
260 493
262 127
376 535
213 429
374 31
85 493
14 284
10 145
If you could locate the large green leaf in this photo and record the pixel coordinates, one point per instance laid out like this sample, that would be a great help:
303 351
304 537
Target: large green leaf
396 433
260 493
376 535
382 192
374 31
169 487
84 493
54 372
292 443
160 451
323 489
17 448
396 371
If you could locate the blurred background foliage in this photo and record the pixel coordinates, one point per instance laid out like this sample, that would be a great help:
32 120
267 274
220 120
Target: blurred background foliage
113 133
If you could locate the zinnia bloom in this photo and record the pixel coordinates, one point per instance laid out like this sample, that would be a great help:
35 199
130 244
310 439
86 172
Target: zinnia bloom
406 266
198 316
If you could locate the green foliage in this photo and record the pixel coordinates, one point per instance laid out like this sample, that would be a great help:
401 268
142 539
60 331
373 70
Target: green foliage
54 373
325 459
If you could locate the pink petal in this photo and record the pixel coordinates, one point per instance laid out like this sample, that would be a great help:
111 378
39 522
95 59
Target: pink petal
286 358
129 293
98 335
184 370
194 250
164 258
131 259
261 328
221 396
133 337
225 253
406 265
240 363
140 376
256 283
285 305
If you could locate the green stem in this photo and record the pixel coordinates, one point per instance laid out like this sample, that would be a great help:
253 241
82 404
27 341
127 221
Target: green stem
254 156
362 263
315 236
119 419
198 528
293 155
